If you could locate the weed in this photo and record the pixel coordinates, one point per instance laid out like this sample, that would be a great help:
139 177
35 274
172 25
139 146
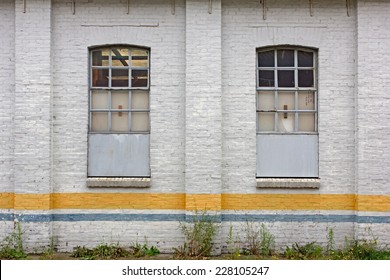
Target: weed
303 252
102 251
233 244
259 239
199 236
12 246
330 241
140 250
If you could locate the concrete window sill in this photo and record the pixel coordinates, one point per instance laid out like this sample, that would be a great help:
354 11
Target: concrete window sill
288 183
108 182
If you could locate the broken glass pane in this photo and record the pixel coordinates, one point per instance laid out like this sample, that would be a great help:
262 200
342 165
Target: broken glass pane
140 121
305 59
305 78
100 57
286 78
285 58
120 78
120 121
120 57
139 78
139 58
286 122
266 121
266 59
99 121
266 100
266 78
100 77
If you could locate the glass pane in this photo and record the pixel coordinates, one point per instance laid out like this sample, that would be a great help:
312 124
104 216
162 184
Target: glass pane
100 77
120 57
285 58
286 78
306 122
266 59
139 58
286 122
286 100
139 121
99 99
100 57
266 121
305 59
120 99
120 121
139 100
139 78
266 100
120 78
306 100
99 121
305 78
266 78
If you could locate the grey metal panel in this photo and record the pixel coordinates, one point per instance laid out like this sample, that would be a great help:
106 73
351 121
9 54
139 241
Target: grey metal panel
287 155
118 155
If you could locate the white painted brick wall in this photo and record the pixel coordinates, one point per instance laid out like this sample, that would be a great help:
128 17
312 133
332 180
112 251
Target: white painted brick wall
32 97
7 82
188 50
149 23
373 97
333 33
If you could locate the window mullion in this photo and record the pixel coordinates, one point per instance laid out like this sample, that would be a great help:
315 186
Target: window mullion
130 109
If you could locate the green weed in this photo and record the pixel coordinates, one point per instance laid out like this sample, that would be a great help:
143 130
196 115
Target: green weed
12 245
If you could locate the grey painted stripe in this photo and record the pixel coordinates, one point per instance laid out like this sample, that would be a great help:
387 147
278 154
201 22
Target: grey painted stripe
182 217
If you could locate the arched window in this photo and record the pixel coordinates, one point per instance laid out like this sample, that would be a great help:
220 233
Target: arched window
287 112
119 112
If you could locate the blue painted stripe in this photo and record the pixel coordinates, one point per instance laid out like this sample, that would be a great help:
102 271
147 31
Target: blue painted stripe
269 218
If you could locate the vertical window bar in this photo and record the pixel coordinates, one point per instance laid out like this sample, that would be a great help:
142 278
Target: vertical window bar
296 111
316 113
276 119
109 110
276 83
90 112
296 91
130 109
257 110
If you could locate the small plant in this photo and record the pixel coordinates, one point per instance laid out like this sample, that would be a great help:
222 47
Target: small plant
140 250
12 246
233 244
303 252
259 239
49 252
330 241
102 251
199 236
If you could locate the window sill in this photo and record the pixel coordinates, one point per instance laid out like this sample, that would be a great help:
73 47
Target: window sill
288 183
109 182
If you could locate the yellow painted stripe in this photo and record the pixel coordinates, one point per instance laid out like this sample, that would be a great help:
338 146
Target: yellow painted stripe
6 200
203 202
288 202
158 201
375 203
180 201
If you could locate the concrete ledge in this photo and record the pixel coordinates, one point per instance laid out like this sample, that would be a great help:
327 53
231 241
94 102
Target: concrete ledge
287 183
108 182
